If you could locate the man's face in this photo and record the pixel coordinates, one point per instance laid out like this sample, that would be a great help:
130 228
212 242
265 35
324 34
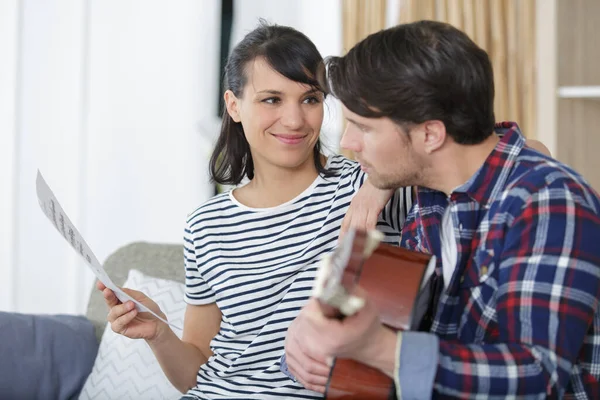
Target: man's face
384 149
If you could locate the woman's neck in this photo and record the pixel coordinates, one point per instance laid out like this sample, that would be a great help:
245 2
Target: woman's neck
273 185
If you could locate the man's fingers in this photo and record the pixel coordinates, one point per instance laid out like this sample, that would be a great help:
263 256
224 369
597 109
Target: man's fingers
302 372
364 220
307 368
314 388
371 221
311 308
310 372
346 222
313 317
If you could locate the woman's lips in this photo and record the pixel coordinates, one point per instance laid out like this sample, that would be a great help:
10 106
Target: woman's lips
290 139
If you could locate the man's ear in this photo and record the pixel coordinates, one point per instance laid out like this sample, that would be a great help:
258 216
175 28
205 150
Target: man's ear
435 135
232 104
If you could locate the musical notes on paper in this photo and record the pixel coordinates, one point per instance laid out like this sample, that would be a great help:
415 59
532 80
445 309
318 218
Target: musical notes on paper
53 210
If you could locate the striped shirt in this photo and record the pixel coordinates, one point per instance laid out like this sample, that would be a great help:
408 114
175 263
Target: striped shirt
258 265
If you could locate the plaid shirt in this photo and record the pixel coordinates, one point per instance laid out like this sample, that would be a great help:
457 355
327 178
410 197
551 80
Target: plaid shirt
520 316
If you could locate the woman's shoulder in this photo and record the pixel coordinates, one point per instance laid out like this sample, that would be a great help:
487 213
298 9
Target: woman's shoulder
211 209
338 163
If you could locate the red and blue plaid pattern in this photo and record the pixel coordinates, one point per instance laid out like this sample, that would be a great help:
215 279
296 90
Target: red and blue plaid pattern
520 316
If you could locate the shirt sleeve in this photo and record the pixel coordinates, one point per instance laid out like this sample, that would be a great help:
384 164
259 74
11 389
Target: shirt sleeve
283 367
394 214
416 366
548 285
197 290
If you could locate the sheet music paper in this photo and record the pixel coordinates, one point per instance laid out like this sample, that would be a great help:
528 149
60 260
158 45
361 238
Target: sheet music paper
53 210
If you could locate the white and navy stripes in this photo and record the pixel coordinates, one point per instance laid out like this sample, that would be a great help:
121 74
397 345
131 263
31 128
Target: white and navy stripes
258 265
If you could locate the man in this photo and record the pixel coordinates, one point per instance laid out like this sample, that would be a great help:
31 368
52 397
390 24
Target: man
514 231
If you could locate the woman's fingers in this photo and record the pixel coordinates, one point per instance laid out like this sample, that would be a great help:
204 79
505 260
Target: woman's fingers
100 286
121 324
110 298
119 310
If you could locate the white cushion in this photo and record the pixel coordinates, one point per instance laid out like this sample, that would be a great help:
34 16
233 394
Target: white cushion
127 368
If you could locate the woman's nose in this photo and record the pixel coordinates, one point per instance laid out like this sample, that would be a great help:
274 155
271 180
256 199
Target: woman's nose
293 117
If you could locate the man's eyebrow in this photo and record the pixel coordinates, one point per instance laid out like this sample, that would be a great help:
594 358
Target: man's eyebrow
355 123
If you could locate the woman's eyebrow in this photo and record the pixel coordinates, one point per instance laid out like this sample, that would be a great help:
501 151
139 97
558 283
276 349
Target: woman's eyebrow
270 91
278 92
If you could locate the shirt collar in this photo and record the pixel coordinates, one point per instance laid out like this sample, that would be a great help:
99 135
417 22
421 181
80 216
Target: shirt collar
485 185
489 180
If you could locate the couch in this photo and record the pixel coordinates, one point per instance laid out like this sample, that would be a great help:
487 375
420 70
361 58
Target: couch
55 356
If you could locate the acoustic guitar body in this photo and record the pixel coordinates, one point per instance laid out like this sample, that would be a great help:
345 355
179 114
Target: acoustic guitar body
392 277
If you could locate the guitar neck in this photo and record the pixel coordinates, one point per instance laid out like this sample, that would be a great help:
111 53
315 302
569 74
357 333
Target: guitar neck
340 273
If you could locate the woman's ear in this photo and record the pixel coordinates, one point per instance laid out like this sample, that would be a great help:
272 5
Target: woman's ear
232 104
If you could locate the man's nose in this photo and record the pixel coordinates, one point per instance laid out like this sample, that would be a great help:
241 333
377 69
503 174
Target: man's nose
351 139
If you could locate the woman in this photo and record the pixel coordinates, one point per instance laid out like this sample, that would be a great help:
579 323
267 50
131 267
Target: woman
251 254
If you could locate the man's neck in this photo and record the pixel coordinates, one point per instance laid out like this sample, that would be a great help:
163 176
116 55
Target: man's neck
457 164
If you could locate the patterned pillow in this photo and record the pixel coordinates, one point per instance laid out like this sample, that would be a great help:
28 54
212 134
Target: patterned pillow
126 368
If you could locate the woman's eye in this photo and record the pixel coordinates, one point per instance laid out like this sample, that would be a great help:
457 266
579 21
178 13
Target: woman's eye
312 100
272 100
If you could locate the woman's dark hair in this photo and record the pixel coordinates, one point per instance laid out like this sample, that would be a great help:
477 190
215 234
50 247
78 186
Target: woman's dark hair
416 72
288 52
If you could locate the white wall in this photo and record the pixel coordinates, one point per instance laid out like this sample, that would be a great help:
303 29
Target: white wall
9 17
152 78
49 114
115 102
106 100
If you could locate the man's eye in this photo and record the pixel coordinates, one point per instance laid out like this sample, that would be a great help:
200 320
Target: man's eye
361 128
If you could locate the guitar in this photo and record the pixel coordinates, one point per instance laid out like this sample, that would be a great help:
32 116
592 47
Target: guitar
393 278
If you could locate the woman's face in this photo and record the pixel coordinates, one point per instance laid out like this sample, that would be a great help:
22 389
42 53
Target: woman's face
281 118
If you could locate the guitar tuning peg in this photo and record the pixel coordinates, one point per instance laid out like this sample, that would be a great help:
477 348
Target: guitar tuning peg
351 305
374 237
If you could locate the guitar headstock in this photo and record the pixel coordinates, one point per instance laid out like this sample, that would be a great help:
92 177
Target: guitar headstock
339 271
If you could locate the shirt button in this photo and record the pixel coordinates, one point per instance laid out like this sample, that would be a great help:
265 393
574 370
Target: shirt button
460 227
483 271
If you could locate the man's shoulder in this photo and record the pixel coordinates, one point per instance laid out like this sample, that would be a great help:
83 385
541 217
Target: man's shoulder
536 177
